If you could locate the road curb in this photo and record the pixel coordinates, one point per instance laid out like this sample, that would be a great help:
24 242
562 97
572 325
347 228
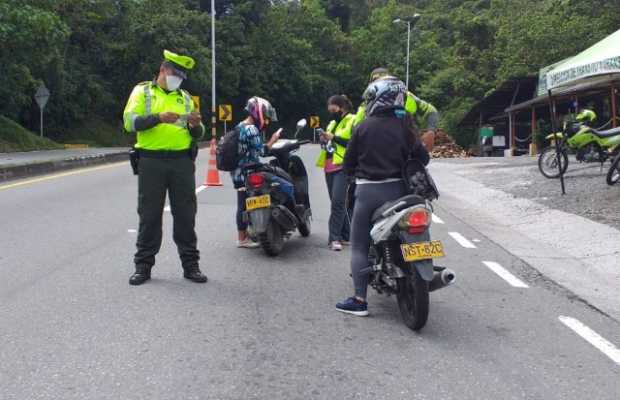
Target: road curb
13 172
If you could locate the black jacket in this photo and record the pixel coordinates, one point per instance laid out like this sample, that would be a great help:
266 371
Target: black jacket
380 146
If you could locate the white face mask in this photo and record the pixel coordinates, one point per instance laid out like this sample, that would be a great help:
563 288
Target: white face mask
173 82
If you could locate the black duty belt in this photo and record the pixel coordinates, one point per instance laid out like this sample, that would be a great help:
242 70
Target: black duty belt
164 153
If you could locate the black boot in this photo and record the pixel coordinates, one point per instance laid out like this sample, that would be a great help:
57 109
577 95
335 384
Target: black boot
142 274
193 274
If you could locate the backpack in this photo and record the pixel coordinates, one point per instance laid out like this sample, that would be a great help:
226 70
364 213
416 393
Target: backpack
418 181
227 152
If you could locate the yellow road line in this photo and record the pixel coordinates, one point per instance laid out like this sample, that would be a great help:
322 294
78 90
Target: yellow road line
55 176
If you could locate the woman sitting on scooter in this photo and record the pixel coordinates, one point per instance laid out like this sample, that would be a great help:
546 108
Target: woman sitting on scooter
378 150
251 147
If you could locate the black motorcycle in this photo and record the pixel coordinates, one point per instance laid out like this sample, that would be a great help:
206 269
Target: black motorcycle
278 202
401 251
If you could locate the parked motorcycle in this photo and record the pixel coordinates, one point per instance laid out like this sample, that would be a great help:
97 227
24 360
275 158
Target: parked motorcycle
402 252
590 145
613 175
278 202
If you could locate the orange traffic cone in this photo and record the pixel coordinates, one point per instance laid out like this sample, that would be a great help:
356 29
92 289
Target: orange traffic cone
213 175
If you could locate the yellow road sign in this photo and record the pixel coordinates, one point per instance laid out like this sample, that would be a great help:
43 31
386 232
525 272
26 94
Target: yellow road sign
315 122
196 101
225 113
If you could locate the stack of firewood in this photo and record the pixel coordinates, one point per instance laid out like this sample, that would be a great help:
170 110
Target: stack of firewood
445 147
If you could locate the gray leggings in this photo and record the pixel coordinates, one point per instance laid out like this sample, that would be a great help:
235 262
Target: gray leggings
368 197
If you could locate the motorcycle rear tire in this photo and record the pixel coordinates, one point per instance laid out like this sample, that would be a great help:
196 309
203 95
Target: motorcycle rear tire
613 175
555 174
413 300
272 240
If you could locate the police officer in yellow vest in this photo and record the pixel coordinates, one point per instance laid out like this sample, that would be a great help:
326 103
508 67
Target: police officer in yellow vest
334 146
167 127
423 112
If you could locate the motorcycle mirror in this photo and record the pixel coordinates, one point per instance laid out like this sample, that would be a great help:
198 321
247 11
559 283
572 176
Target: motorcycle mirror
301 124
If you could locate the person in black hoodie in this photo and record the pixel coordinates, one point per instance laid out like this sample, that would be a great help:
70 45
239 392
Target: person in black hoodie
377 152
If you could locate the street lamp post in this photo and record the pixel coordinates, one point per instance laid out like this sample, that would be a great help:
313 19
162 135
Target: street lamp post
213 101
410 21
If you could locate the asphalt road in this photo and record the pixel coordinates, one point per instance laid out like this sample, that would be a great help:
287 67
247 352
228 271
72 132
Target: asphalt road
72 328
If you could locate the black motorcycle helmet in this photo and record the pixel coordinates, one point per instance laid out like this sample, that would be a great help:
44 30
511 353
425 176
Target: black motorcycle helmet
385 93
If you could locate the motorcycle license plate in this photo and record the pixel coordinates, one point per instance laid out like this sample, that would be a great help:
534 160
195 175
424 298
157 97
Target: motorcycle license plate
253 203
422 251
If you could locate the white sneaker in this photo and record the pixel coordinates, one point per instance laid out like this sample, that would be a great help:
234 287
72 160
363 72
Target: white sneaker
335 246
247 244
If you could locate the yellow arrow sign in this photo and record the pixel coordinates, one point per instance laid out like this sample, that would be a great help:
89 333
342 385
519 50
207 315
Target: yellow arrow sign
315 122
196 101
225 113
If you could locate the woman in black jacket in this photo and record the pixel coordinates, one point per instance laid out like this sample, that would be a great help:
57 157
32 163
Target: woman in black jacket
378 150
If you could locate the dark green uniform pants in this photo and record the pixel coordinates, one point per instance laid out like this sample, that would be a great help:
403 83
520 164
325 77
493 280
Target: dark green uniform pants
176 176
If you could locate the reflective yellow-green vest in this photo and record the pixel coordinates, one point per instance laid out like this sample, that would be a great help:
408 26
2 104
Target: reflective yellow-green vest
147 98
342 129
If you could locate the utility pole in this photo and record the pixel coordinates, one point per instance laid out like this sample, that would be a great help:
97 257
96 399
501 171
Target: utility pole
213 101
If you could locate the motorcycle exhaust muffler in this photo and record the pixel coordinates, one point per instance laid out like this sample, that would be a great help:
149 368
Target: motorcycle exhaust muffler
284 217
441 279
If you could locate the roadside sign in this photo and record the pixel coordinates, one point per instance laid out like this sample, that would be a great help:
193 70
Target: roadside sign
41 97
196 101
225 112
315 122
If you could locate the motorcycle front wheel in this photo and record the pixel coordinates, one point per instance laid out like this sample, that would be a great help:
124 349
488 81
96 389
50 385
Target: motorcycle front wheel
413 300
305 227
548 162
613 175
272 240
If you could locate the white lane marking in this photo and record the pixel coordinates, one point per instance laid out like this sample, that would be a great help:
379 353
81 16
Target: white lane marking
132 231
461 240
198 190
505 275
476 240
437 220
593 338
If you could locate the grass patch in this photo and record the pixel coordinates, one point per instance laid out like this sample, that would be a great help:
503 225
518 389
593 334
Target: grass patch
14 137
97 133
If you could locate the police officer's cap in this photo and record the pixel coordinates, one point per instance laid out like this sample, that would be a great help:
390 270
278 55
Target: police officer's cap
378 73
181 64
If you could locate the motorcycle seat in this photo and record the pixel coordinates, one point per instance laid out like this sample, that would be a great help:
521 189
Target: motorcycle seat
408 201
607 133
282 174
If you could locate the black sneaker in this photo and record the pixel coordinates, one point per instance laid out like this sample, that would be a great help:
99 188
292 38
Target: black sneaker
353 306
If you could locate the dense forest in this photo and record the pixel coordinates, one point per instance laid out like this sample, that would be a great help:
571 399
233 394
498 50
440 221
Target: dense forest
90 53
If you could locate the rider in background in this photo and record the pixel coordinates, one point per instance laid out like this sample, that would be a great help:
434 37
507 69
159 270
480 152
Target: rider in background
335 141
376 155
260 114
422 112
